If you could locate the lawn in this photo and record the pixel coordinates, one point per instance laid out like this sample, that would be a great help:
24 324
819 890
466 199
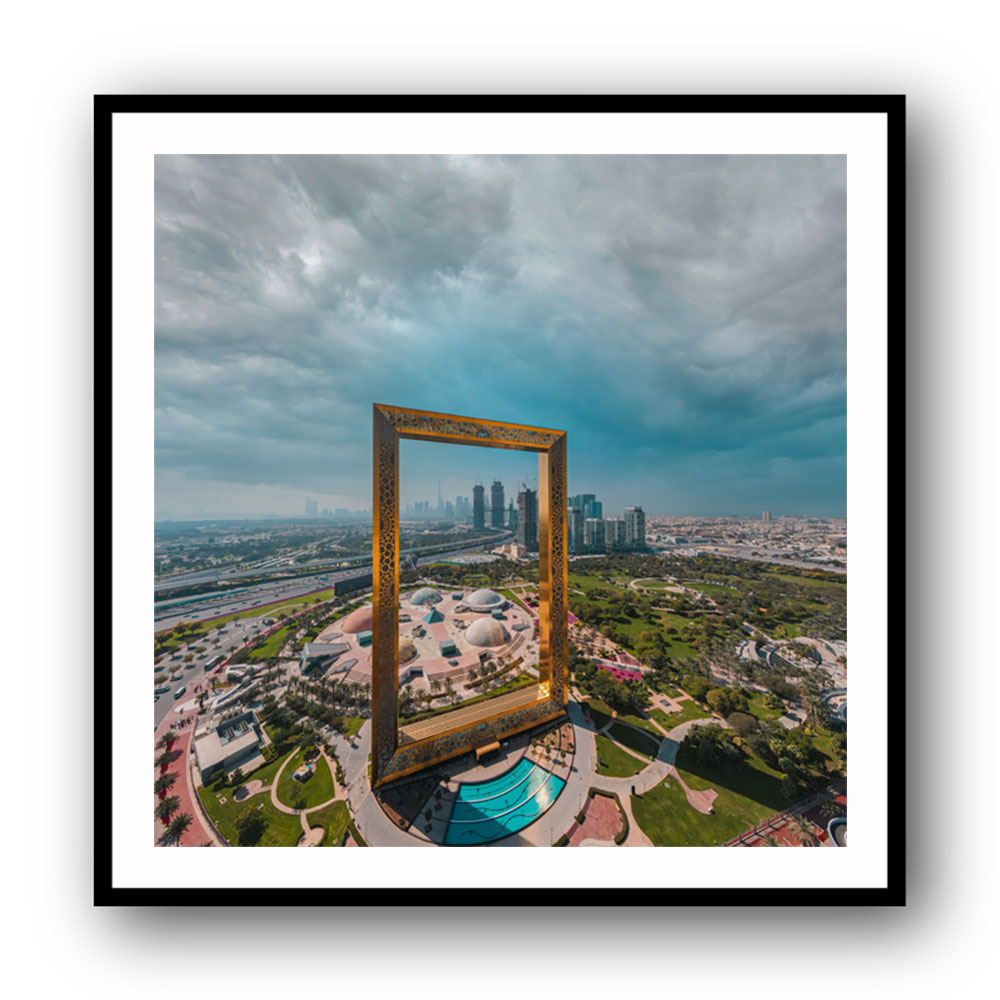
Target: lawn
653 584
689 710
283 830
334 819
635 739
318 789
746 797
758 709
615 762
806 581
642 723
354 723
271 646
599 712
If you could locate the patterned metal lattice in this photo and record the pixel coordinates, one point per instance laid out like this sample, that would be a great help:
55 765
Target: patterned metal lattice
390 424
467 430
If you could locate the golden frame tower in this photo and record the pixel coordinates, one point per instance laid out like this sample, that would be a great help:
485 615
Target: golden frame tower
399 751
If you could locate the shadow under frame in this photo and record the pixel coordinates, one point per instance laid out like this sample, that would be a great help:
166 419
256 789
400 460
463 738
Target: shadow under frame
390 760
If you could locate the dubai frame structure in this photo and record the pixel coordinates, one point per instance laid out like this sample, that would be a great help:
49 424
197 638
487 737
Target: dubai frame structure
401 750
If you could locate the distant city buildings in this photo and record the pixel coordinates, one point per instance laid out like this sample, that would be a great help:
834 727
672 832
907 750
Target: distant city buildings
511 517
593 534
635 529
527 519
478 507
312 508
574 530
766 516
614 533
496 504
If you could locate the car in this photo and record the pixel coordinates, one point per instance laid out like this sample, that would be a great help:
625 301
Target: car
180 691
162 690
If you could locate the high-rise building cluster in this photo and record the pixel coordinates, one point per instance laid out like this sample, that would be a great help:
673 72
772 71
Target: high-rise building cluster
589 531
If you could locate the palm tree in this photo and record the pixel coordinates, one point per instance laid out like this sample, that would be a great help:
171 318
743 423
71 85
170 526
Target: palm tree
166 807
167 758
164 783
828 805
165 741
770 841
802 830
178 826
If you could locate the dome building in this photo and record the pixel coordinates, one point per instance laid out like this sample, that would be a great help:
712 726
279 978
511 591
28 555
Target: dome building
487 632
485 600
358 621
425 595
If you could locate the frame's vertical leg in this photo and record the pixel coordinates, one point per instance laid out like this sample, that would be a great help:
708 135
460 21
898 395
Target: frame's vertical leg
544 575
555 490
385 596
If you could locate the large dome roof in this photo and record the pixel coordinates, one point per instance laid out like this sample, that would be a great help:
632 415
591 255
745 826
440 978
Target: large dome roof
358 621
484 599
425 595
407 651
486 632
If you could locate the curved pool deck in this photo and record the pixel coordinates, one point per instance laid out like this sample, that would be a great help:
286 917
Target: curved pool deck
485 811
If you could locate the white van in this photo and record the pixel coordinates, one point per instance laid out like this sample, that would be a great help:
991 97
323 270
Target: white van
180 691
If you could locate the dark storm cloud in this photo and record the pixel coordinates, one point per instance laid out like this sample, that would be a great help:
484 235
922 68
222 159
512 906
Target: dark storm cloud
676 314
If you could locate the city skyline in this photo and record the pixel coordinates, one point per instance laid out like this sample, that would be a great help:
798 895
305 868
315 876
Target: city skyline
683 318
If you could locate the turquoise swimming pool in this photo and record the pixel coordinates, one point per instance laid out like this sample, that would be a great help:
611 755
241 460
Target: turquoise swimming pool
493 809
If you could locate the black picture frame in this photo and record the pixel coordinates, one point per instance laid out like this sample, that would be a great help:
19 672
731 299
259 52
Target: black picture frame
893 107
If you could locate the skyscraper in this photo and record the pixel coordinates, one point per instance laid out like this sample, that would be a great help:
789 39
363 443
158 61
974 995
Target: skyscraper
594 508
635 528
511 516
766 516
614 533
478 507
496 504
581 500
574 529
527 519
312 508
593 534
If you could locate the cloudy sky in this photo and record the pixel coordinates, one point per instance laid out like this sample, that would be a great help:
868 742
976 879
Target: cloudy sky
682 317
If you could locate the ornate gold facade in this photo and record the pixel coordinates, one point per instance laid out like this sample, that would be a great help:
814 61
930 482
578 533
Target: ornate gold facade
391 757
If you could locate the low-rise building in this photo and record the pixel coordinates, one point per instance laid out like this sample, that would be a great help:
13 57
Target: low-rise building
320 655
227 742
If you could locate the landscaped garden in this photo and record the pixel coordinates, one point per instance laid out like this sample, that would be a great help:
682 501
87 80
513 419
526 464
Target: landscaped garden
334 819
689 710
745 797
634 739
305 794
615 762
254 815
